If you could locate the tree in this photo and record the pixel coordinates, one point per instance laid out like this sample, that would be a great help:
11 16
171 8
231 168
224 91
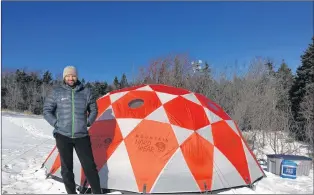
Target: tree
116 83
270 67
47 83
83 81
178 73
307 110
47 78
123 81
284 81
302 85
205 83
4 92
100 88
26 91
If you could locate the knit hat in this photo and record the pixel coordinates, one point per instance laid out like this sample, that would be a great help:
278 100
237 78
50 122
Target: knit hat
69 70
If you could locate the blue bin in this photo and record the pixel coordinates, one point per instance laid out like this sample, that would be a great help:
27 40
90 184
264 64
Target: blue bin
288 169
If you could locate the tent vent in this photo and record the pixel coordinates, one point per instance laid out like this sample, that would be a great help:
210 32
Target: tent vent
136 103
213 106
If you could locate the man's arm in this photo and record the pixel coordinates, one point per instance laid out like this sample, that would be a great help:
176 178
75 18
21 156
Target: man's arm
49 109
92 109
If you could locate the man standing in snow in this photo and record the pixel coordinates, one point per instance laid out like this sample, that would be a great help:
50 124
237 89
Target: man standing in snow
65 109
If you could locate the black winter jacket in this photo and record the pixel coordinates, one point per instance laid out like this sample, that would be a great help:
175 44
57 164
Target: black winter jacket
66 110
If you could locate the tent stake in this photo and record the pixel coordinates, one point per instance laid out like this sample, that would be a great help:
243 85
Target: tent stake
252 187
205 186
144 189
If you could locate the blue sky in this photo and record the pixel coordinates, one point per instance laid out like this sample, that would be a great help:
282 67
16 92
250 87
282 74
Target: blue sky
104 39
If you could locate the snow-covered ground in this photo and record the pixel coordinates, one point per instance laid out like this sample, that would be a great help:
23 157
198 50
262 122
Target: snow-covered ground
27 140
279 142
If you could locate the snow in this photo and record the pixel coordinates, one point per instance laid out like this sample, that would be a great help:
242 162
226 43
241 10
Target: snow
283 145
28 139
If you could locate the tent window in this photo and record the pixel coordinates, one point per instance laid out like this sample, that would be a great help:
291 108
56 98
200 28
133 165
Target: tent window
213 106
136 103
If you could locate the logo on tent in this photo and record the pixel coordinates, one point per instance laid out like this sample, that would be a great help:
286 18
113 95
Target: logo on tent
161 146
108 140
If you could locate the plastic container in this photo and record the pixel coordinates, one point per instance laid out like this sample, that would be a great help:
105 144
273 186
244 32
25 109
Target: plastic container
288 169
274 162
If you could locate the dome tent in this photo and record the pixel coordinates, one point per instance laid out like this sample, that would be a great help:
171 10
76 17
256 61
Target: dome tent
162 139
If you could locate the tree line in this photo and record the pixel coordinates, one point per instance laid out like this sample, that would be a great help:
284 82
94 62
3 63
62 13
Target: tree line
267 97
25 91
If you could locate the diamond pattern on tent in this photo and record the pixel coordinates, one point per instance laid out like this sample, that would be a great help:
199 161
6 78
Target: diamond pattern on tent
206 133
213 118
253 166
53 162
104 141
150 145
56 164
107 94
145 88
127 125
102 104
126 89
230 144
158 115
165 183
232 126
164 97
225 174
212 106
198 153
181 133
192 98
107 115
186 114
169 89
122 110
117 172
117 96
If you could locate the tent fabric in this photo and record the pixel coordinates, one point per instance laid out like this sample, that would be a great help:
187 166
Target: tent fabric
163 139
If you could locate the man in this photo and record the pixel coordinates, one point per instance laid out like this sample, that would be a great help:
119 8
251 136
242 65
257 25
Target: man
66 109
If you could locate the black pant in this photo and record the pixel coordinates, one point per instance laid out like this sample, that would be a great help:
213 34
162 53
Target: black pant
83 150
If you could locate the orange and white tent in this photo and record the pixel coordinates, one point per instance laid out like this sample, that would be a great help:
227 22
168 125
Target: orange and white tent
162 139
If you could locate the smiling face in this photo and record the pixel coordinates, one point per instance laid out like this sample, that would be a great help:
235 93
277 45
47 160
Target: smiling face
70 79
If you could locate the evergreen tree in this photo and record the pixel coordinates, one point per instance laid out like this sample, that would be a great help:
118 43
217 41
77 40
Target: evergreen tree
47 78
303 84
284 82
116 83
270 68
109 88
4 92
207 69
123 81
88 84
83 81
100 88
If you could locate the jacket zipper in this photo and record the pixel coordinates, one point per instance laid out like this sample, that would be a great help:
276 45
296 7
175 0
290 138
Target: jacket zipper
73 113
